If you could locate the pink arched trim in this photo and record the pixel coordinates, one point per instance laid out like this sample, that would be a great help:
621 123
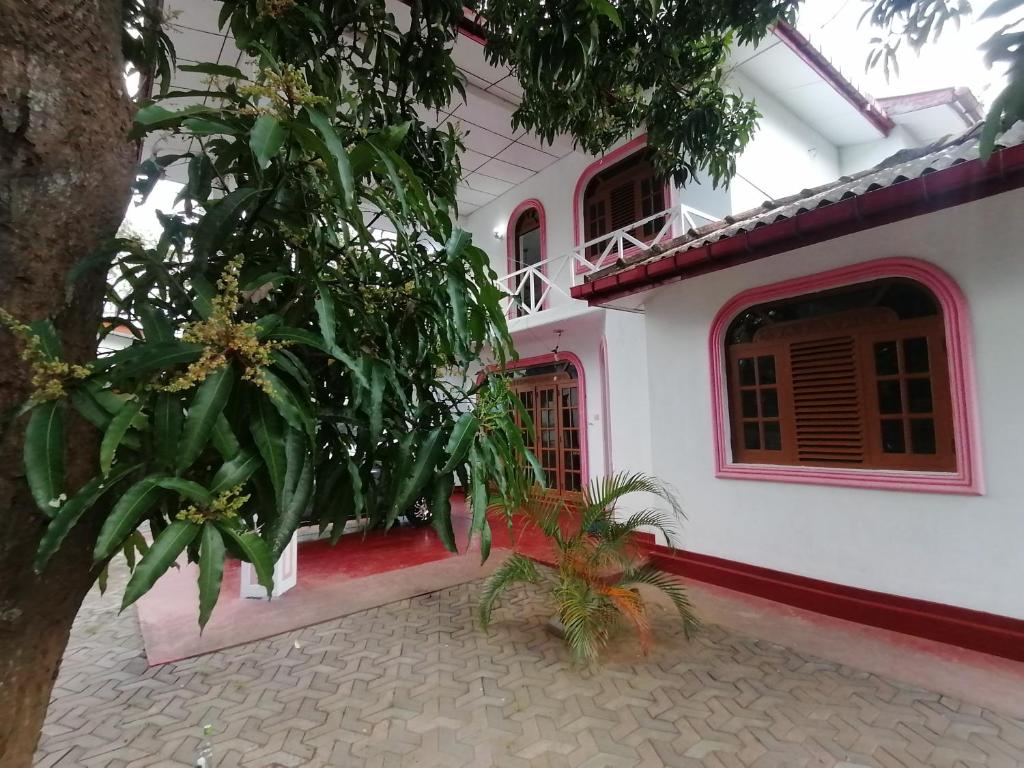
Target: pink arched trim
603 163
510 240
552 357
606 412
967 479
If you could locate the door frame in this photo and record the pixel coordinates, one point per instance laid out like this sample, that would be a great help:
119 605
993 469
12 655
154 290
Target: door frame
558 357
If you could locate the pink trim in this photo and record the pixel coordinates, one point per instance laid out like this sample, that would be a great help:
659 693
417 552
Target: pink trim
510 240
547 359
817 61
606 411
601 164
968 476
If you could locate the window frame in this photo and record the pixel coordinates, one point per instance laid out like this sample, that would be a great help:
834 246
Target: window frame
962 402
512 245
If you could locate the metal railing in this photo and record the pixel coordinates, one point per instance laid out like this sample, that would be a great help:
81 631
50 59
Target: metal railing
529 288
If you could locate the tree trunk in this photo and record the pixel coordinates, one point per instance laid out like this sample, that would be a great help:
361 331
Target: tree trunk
66 166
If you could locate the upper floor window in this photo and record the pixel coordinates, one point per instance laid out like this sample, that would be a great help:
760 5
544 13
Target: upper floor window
628 192
854 377
526 256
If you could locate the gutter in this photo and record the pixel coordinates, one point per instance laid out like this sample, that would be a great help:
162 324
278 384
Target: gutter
962 183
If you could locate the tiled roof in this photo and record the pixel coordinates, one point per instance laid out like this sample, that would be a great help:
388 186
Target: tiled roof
905 165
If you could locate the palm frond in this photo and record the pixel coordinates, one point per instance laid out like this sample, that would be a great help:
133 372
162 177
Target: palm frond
518 568
631 604
660 520
672 588
586 617
603 493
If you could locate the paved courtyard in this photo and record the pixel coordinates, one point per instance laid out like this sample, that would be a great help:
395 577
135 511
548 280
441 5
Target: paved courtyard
414 683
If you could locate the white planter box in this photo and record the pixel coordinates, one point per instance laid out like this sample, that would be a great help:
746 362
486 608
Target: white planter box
285 573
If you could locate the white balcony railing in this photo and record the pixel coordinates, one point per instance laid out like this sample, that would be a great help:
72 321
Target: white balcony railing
528 289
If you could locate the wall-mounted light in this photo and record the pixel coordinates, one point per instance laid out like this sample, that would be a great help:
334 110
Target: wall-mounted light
499 233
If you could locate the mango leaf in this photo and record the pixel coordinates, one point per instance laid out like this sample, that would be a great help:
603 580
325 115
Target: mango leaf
460 441
187 488
142 359
211 571
125 517
161 555
440 502
378 378
43 454
267 429
266 138
71 512
155 325
325 313
294 411
203 294
297 502
223 438
422 470
115 433
338 163
217 70
207 405
168 416
255 551
606 9
219 221
235 472
299 336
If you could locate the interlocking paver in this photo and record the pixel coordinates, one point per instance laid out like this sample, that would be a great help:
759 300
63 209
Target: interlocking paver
415 684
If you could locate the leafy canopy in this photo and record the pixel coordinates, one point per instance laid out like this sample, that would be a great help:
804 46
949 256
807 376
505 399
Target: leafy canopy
307 328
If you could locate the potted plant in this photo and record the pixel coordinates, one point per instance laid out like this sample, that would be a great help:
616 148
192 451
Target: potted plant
598 566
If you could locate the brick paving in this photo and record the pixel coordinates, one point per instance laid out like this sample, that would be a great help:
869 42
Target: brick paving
414 683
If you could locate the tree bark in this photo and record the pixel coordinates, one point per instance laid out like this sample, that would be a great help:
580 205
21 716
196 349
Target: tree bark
66 166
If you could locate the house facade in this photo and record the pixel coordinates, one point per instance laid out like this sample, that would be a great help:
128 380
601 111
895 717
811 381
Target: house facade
835 409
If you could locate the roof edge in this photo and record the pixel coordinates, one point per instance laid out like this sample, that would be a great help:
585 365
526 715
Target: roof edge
961 183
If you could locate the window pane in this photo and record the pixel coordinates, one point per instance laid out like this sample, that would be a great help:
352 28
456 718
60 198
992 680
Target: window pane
922 435
749 403
919 395
889 397
769 403
751 435
766 369
915 355
772 436
892 436
746 366
886 358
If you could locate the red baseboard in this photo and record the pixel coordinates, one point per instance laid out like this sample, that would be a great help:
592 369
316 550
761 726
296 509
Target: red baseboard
962 627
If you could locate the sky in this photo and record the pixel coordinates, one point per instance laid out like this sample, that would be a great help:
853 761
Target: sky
833 26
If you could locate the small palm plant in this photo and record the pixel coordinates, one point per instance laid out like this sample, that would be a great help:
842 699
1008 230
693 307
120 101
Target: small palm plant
598 567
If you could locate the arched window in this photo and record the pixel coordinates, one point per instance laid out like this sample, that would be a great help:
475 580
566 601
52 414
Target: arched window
526 257
851 377
627 192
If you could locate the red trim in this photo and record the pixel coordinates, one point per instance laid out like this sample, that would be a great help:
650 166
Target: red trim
967 478
958 184
603 163
816 60
547 359
510 240
963 627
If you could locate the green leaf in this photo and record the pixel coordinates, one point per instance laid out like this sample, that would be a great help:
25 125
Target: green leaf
115 433
461 439
223 439
378 377
457 242
441 510
71 512
142 359
211 571
216 225
255 551
267 429
294 411
207 405
606 9
168 416
161 555
338 162
189 489
217 70
325 313
297 502
155 326
266 139
201 126
44 455
235 472
422 470
125 517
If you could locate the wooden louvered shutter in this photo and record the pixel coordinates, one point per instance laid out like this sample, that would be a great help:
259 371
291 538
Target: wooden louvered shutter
622 202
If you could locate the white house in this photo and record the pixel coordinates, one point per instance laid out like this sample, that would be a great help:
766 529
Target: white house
828 378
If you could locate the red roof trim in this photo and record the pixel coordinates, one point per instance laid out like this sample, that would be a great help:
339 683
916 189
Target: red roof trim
817 61
958 184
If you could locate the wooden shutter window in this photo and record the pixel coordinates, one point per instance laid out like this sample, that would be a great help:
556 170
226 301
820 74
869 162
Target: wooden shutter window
626 193
860 388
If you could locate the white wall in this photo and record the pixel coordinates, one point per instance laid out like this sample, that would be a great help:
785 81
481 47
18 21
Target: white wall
860 157
785 155
960 550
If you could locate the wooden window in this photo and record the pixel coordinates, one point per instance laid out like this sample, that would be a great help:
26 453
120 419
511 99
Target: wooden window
851 378
628 192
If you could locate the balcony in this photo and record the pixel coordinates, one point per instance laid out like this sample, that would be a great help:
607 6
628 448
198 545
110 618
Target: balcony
529 289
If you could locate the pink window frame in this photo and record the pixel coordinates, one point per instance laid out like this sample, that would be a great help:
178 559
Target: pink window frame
602 164
967 479
510 241
548 359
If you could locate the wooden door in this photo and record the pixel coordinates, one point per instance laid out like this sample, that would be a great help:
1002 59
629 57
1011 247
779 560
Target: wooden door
554 406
